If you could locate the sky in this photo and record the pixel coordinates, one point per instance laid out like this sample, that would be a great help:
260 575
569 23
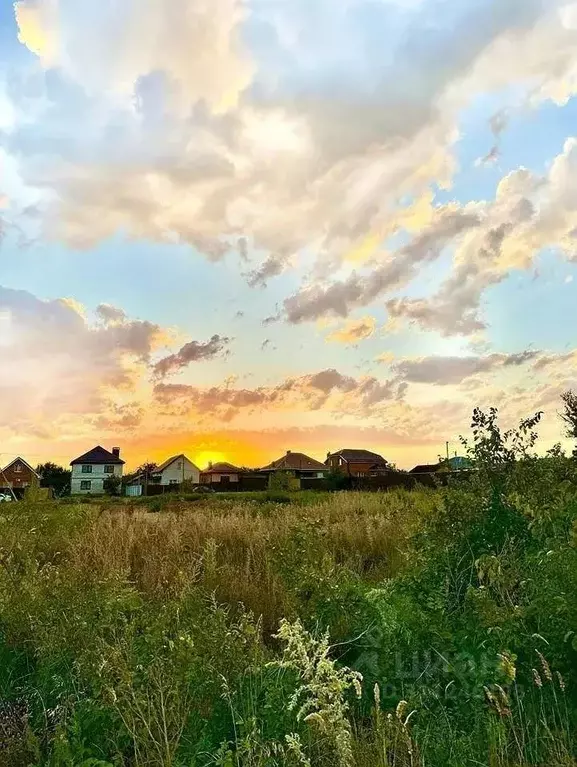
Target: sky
233 228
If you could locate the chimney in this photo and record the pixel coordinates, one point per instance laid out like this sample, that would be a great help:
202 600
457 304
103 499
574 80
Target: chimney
288 452
116 452
209 465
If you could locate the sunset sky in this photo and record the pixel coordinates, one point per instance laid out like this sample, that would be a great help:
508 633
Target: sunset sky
236 227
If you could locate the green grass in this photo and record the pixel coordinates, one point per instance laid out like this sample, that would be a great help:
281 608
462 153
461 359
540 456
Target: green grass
234 630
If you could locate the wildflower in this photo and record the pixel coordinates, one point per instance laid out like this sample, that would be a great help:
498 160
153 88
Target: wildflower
545 666
377 695
537 678
401 708
320 696
507 666
295 748
561 681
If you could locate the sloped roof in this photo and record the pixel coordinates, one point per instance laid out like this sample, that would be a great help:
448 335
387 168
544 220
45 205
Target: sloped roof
353 455
295 462
169 461
18 458
221 468
98 455
425 468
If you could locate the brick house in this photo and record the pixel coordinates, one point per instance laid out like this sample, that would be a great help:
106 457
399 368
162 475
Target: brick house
298 464
18 475
357 463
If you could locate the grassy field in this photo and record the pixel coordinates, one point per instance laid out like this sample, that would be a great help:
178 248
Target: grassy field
428 628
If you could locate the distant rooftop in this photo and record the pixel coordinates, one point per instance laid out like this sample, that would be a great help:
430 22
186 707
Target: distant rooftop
295 462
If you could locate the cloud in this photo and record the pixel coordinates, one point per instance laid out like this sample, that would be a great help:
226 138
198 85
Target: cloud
193 351
454 370
328 390
110 315
354 331
272 267
528 214
264 133
358 290
60 369
143 37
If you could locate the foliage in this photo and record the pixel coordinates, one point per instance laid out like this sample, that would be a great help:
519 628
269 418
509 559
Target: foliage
146 470
234 630
282 482
55 477
112 484
569 414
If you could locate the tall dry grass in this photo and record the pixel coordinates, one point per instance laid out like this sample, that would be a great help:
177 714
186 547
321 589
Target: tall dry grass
243 551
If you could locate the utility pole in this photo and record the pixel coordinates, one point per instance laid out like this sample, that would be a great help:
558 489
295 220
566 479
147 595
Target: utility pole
447 446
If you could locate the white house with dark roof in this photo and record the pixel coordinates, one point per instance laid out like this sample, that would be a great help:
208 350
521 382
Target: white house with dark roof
89 471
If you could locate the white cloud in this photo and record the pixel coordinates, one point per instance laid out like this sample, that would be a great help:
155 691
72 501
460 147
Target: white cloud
289 123
109 46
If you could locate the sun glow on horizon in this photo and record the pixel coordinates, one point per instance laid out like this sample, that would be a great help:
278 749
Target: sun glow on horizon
205 457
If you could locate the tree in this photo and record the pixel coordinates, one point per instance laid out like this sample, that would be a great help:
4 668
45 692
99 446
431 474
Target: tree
569 415
111 484
146 470
55 477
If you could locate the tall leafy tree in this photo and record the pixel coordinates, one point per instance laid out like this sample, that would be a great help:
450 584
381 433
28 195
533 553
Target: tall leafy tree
55 477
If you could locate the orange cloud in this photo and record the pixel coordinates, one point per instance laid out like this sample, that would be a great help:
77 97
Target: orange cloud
354 331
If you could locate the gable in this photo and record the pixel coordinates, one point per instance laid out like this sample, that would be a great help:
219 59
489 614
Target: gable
25 465
169 464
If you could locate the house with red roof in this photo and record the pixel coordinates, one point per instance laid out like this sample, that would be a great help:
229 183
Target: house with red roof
298 464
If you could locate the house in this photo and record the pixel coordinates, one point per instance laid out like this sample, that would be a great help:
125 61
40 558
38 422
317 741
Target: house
18 475
90 470
425 468
221 473
456 463
357 463
298 464
173 472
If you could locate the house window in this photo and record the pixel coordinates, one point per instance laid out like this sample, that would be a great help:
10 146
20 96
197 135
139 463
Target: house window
87 469
18 468
109 469
86 484
173 482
